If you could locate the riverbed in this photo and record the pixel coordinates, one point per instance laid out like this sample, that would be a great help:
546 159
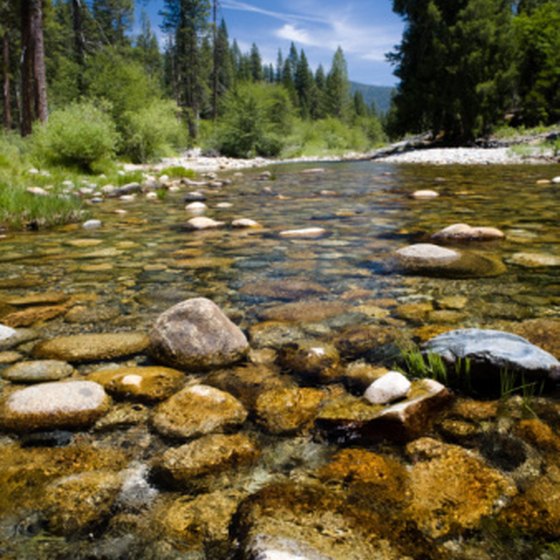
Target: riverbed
282 289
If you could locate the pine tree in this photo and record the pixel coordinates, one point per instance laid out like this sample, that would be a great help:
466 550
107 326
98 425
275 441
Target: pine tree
319 101
303 84
147 49
338 88
279 67
255 61
223 67
185 21
114 18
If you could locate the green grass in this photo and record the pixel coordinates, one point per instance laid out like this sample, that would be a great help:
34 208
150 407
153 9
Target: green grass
177 172
509 132
430 365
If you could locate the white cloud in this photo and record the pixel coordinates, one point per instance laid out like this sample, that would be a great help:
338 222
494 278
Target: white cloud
290 32
283 16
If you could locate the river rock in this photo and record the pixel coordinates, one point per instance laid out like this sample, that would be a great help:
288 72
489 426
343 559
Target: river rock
196 207
464 232
313 361
202 223
247 382
374 342
92 347
80 502
6 333
188 466
47 298
535 260
451 489
496 350
10 357
284 289
198 410
245 223
310 311
38 371
425 194
288 410
390 387
194 196
556 180
312 232
289 521
352 419
72 404
92 224
32 315
432 260
195 334
14 337
149 384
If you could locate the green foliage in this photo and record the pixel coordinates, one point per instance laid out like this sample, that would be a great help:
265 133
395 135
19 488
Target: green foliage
78 135
430 365
177 172
153 131
325 137
256 118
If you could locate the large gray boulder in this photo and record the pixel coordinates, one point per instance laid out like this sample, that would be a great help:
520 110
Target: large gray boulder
196 335
496 350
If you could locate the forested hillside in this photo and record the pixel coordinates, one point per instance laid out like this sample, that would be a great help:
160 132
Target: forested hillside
378 97
68 63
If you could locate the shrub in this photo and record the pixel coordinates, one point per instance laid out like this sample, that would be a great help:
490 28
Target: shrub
256 118
78 135
152 132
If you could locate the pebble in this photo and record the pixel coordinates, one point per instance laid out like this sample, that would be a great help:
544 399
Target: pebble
390 387
305 232
245 223
425 194
92 224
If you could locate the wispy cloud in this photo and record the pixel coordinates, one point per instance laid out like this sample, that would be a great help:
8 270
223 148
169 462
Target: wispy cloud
283 16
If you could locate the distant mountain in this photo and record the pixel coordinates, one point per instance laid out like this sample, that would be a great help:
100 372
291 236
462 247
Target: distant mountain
380 95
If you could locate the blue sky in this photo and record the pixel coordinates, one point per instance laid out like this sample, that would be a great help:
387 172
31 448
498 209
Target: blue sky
365 29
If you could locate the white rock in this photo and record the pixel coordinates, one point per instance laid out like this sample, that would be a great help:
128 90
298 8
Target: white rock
151 195
224 205
92 224
388 388
556 180
426 193
468 233
196 207
305 232
245 223
427 252
201 223
108 189
127 197
36 191
6 332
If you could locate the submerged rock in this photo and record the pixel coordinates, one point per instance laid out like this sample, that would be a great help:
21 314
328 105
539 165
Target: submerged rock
198 410
38 371
312 232
535 260
202 223
92 347
72 404
143 383
425 194
495 350
284 289
189 466
432 260
195 334
464 232
289 410
5 334
311 360
451 489
310 311
80 502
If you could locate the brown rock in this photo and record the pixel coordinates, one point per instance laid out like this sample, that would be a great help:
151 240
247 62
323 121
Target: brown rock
48 298
290 410
143 383
198 410
80 502
188 466
313 361
33 315
92 347
451 490
284 289
310 311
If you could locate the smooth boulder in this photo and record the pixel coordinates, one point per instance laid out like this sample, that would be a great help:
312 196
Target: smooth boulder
46 406
196 335
464 232
495 349
37 371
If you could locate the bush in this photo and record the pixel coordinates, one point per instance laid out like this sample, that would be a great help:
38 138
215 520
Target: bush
79 135
152 132
256 118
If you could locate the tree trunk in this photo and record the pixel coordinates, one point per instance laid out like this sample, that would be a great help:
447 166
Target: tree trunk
79 42
6 85
39 69
27 112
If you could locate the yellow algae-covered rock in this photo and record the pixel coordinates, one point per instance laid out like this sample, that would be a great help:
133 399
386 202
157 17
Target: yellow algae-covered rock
189 466
45 406
47 298
288 410
200 522
33 315
451 489
142 383
312 360
307 311
537 510
25 471
92 347
80 502
198 410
